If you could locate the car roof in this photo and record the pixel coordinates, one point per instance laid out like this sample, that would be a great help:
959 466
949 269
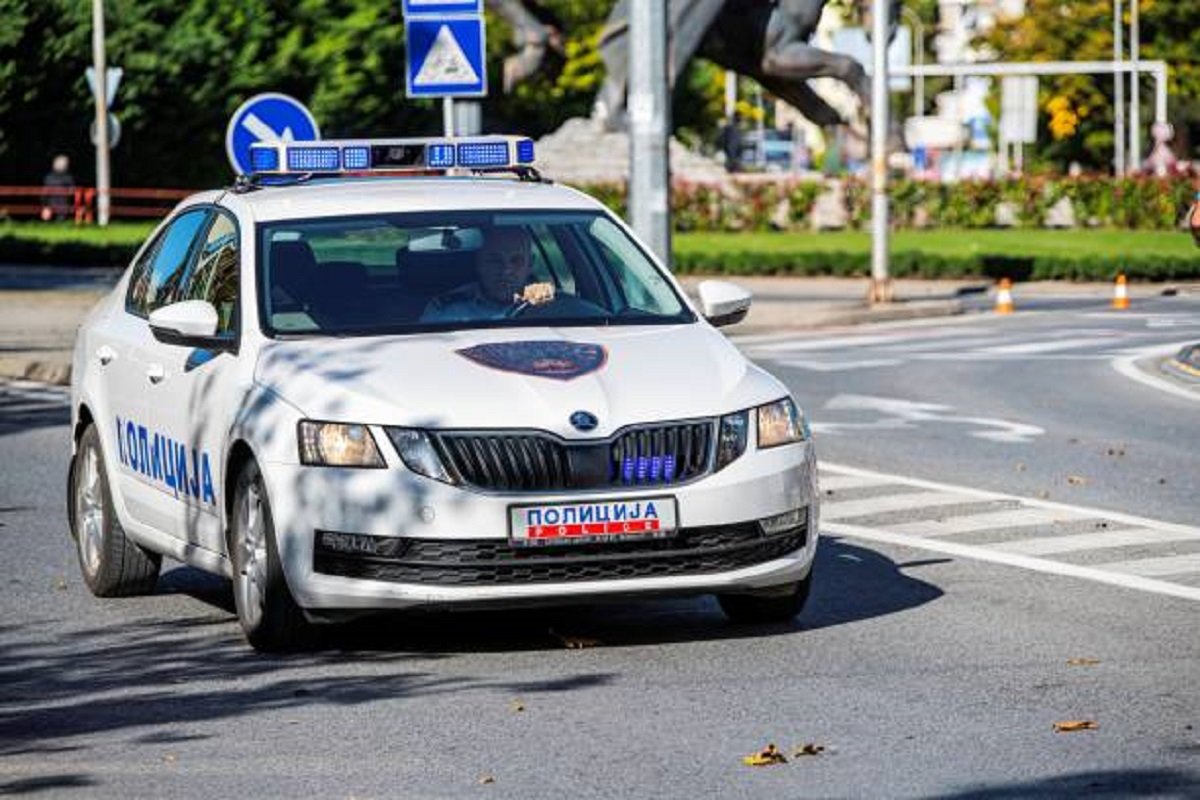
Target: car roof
351 196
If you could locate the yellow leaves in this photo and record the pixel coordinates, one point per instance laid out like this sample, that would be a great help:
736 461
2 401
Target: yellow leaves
1082 662
1074 725
1064 120
766 757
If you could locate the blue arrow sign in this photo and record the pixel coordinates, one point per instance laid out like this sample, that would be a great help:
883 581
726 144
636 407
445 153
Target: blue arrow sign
442 7
266 117
445 57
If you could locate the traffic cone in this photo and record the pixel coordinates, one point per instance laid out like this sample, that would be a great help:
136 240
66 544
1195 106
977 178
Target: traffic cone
1120 301
1004 300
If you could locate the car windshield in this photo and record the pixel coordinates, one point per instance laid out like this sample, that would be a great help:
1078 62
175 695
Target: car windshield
410 273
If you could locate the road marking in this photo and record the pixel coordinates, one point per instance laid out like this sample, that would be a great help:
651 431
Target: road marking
891 502
1144 574
836 483
1124 537
1127 366
839 366
1010 518
900 413
1043 347
1156 567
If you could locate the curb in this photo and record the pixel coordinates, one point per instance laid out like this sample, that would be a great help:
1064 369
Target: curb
51 372
1184 365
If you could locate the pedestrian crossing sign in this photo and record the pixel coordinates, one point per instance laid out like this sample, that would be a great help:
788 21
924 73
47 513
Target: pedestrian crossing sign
445 56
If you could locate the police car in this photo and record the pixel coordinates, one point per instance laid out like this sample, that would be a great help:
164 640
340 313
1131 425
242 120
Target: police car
412 373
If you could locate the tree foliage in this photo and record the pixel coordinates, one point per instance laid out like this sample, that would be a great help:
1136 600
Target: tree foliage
1079 108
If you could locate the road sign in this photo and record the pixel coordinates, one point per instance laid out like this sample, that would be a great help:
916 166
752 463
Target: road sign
445 57
114 131
111 84
440 8
263 118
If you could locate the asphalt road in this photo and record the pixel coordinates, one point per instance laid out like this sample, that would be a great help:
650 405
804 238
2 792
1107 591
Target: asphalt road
922 673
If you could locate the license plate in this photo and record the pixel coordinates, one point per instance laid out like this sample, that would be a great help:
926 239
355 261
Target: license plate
602 521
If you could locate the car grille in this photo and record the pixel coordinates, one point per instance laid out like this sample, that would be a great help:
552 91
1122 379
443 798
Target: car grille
475 562
645 455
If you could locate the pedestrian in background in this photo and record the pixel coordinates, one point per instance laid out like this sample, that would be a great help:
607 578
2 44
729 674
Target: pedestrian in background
58 185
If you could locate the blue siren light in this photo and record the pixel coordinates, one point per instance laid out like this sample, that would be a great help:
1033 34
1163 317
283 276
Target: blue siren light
484 153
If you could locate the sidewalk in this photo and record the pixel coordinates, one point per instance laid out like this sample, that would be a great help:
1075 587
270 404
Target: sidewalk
38 324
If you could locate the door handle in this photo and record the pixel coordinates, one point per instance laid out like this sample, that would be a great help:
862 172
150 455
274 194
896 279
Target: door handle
105 355
155 373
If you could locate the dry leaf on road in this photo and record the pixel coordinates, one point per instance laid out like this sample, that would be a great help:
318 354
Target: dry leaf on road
517 706
766 757
486 779
1071 726
1082 662
810 749
1076 480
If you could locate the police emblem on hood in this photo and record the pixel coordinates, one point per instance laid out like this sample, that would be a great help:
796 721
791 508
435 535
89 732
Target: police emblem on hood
558 360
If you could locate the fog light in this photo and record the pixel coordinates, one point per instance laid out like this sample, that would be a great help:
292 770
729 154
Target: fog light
788 520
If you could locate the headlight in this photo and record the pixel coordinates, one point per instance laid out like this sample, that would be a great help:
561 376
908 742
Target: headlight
337 444
418 454
731 438
781 423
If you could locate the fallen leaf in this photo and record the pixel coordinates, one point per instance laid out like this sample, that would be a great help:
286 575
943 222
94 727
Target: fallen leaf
1043 494
517 706
575 642
1020 466
1162 481
486 779
1082 662
1073 725
1076 480
170 758
60 584
809 749
766 757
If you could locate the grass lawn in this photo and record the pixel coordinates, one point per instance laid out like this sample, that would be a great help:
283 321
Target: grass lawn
1079 243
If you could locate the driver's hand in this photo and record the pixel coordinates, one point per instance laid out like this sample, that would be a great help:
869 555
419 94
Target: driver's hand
536 294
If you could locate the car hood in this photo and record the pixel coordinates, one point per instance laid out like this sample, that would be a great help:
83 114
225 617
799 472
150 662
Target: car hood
630 374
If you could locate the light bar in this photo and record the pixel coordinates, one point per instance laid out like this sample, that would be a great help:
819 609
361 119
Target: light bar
333 156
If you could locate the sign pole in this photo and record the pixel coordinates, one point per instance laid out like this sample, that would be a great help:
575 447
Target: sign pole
881 283
649 179
101 96
1119 93
448 116
1135 101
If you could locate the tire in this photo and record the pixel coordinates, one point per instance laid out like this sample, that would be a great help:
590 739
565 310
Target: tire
269 615
778 604
112 565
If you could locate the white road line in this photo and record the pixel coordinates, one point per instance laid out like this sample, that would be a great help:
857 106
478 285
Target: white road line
836 483
837 366
891 502
1045 346
1010 518
1122 579
831 343
1124 537
1155 567
1133 574
1126 365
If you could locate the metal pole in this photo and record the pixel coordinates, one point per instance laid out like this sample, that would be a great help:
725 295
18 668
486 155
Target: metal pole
1119 94
918 29
649 180
102 164
448 116
881 284
1135 108
731 79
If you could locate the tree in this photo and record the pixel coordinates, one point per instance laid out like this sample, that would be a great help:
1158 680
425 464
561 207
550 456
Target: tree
1079 108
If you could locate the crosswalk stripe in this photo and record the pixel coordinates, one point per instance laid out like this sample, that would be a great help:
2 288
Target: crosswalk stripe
1124 537
837 483
1044 347
1009 518
891 502
1155 567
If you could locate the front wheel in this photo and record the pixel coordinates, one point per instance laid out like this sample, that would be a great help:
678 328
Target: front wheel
112 565
269 615
778 604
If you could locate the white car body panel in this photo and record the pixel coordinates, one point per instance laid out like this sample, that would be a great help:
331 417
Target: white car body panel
257 395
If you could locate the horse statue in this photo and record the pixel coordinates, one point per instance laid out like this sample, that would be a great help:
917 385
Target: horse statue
767 40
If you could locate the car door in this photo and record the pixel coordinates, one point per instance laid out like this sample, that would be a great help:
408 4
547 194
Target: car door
196 392
147 454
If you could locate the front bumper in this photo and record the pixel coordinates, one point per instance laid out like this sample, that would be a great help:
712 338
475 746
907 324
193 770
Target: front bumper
458 538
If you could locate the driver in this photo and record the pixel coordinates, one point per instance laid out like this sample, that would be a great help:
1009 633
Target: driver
502 268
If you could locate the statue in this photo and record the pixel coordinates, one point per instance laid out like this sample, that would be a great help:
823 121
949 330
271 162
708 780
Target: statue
762 39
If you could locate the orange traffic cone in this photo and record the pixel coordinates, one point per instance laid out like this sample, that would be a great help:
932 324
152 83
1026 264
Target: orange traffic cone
1004 299
1120 301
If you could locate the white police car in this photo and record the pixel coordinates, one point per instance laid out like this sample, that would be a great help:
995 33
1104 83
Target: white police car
352 392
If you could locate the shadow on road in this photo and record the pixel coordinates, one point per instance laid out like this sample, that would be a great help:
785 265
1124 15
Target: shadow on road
22 410
1163 783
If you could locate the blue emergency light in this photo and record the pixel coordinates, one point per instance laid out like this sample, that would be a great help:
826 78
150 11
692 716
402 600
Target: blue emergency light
331 156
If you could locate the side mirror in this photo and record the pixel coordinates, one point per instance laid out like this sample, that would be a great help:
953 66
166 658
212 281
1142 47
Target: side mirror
191 323
723 303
